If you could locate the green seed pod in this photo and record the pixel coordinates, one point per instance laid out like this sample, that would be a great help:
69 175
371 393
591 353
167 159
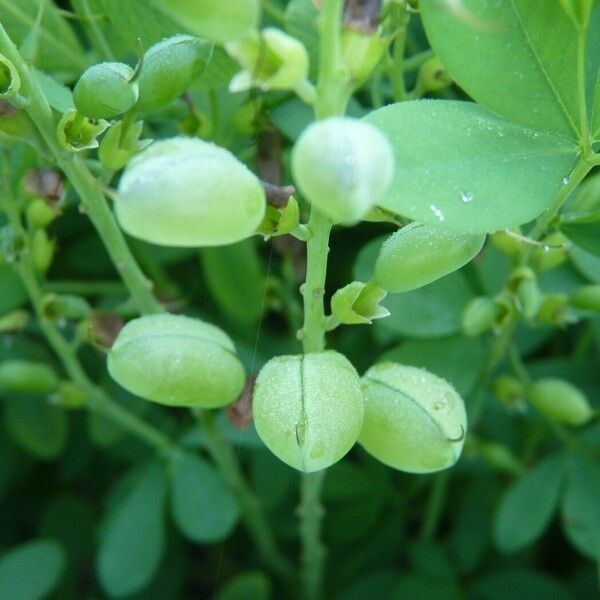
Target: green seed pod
75 308
26 377
419 254
39 213
507 244
187 192
586 298
106 90
42 250
560 401
176 361
10 81
414 421
432 76
169 68
214 20
308 409
343 166
479 316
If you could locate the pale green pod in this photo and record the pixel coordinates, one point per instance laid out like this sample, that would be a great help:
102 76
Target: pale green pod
419 254
105 90
414 421
216 20
176 361
308 409
343 166
187 192
560 401
27 377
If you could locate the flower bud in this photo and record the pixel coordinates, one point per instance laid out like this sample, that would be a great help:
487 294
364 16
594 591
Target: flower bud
27 377
10 81
169 68
176 361
308 409
358 303
187 192
479 316
42 250
116 150
419 254
343 166
77 133
560 401
279 221
432 76
216 20
414 421
271 60
361 52
586 298
105 91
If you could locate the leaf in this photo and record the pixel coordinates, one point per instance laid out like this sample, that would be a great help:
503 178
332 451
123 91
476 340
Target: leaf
461 167
300 22
13 293
133 536
586 264
519 584
59 96
31 571
500 53
39 427
526 508
246 586
581 507
203 508
583 230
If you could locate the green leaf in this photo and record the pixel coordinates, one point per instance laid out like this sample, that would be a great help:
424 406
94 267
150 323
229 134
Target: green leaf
300 21
59 96
247 586
39 427
581 507
461 167
13 293
500 53
203 508
586 264
31 571
519 584
583 230
528 505
133 536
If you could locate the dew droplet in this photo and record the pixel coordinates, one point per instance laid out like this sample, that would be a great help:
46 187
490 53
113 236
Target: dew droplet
565 180
466 197
437 212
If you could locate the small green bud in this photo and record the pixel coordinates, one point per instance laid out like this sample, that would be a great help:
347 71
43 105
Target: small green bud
27 377
358 303
10 80
77 133
271 60
187 192
176 361
414 421
506 311
433 77
507 244
496 455
509 391
560 401
479 316
15 320
216 20
419 254
586 298
308 409
280 221
343 166
116 150
361 53
65 307
551 254
42 250
169 68
69 395
523 282
39 213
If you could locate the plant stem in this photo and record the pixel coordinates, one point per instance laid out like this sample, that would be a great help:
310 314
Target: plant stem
252 513
84 183
435 504
90 24
401 18
273 11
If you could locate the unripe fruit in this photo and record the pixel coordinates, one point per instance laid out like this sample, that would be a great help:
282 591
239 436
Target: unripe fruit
343 166
187 192
414 421
42 250
216 20
432 75
176 361
479 316
169 69
40 213
308 409
105 91
27 377
419 254
560 401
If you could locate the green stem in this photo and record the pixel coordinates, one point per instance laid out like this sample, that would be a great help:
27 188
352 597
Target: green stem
90 24
401 19
435 505
85 288
273 11
252 513
84 183
582 44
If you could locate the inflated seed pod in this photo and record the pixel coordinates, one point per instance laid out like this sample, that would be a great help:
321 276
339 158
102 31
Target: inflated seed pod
187 192
216 20
27 377
308 409
176 361
343 166
169 69
560 401
414 421
39 213
42 250
419 254
479 316
105 90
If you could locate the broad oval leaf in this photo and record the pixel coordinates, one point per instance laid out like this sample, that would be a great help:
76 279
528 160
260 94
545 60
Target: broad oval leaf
31 571
503 55
252 585
460 167
527 507
203 508
133 535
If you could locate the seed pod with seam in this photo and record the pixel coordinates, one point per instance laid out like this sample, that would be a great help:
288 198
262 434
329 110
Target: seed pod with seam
560 401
